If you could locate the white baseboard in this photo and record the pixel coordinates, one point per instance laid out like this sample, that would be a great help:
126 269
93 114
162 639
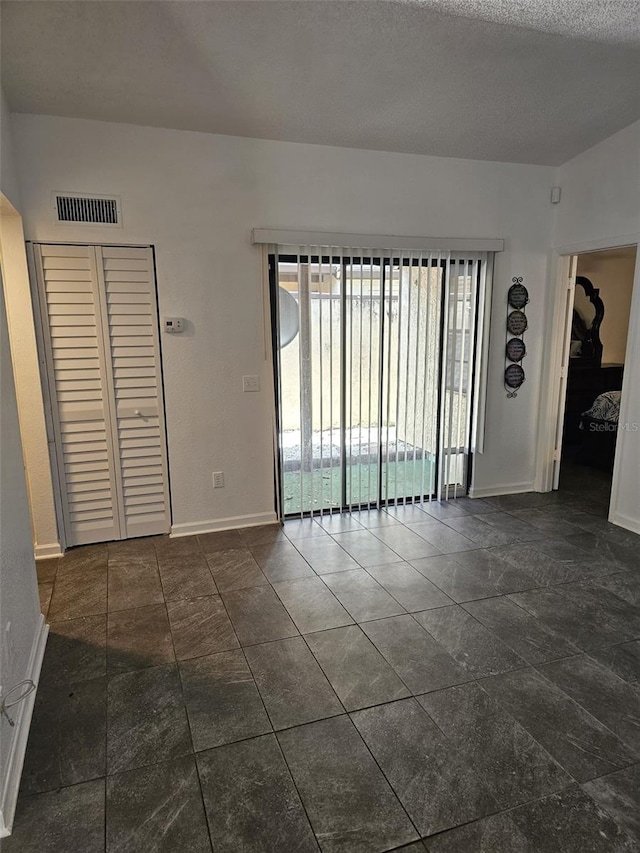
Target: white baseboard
20 733
45 552
501 489
632 524
193 527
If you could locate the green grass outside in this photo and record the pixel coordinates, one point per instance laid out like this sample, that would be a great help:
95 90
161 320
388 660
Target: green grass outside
319 490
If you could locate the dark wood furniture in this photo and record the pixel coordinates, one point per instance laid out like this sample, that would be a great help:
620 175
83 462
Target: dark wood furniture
586 329
587 378
585 382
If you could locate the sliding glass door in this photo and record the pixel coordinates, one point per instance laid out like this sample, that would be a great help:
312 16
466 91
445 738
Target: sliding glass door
374 357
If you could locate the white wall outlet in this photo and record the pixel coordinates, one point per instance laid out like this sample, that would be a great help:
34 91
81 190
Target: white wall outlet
218 480
250 383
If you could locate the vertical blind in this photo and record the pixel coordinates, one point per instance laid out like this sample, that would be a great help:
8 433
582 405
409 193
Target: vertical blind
377 356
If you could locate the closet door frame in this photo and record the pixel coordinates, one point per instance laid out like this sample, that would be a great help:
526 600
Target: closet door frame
43 344
45 359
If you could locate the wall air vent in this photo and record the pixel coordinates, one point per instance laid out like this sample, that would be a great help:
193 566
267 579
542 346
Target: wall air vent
87 210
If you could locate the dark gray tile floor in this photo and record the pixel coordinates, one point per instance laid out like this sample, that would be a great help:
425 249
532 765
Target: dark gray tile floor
452 678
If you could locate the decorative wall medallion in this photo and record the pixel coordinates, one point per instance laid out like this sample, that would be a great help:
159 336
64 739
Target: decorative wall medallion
518 294
516 349
517 323
514 376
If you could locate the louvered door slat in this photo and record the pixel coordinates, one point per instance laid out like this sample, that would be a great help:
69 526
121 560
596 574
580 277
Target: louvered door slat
71 261
68 280
136 382
79 396
88 491
68 298
73 352
136 311
93 478
125 348
144 395
133 318
84 372
153 476
89 503
134 491
68 307
122 282
65 384
86 446
90 427
86 514
129 301
140 432
63 251
126 363
57 297
139 264
132 371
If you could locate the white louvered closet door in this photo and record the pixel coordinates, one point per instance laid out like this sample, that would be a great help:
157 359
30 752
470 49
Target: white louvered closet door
127 288
103 362
78 386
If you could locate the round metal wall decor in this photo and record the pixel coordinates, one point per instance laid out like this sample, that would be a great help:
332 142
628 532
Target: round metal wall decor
514 376
517 323
518 294
516 349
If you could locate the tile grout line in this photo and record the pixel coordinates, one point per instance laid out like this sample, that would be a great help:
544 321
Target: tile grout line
479 679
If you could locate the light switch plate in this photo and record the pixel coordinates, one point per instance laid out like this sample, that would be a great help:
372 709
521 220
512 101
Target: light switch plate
250 383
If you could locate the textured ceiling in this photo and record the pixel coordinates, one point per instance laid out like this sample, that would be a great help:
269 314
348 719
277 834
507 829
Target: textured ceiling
445 77
615 21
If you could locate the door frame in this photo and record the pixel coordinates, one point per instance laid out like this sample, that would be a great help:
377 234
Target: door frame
552 403
48 401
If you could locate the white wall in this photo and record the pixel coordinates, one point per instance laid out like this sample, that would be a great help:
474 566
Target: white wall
26 369
196 198
21 625
600 194
8 171
23 349
20 620
600 207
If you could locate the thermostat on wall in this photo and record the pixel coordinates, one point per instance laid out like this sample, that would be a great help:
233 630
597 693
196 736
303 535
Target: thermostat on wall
173 324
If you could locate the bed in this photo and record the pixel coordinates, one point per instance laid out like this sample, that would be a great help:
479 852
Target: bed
598 430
